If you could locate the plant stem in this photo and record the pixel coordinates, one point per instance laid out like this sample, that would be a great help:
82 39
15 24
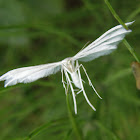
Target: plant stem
130 49
115 14
73 121
122 23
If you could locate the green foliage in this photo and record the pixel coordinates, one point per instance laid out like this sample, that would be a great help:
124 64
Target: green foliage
36 32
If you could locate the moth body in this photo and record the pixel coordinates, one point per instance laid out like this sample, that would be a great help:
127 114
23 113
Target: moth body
75 79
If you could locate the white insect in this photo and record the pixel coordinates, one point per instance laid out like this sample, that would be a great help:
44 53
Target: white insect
104 45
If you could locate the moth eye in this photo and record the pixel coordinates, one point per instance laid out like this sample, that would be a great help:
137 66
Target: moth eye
136 71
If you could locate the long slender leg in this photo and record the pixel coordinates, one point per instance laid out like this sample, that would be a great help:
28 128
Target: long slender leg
84 91
67 88
79 91
63 82
72 90
64 67
90 83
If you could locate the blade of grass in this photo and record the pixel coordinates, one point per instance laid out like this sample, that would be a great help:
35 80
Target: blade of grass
45 28
67 135
42 127
115 14
133 14
101 126
116 76
130 49
122 23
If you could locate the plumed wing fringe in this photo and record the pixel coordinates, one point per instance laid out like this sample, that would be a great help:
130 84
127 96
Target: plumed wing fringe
104 45
29 74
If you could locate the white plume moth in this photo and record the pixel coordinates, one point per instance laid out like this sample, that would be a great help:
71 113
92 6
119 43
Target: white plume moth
70 67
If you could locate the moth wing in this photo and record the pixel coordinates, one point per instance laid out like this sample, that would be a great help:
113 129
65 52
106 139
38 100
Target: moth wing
104 45
29 74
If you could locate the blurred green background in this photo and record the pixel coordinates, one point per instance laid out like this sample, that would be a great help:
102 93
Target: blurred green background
35 32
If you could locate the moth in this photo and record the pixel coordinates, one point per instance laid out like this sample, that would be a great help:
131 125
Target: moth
70 66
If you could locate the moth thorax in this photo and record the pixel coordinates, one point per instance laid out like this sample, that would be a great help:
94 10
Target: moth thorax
70 66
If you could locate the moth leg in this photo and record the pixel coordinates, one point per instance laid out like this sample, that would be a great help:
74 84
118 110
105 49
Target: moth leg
90 83
79 91
72 90
64 67
76 89
63 82
67 87
82 88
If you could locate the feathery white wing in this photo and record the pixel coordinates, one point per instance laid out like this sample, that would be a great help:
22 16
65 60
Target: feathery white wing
29 74
104 45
